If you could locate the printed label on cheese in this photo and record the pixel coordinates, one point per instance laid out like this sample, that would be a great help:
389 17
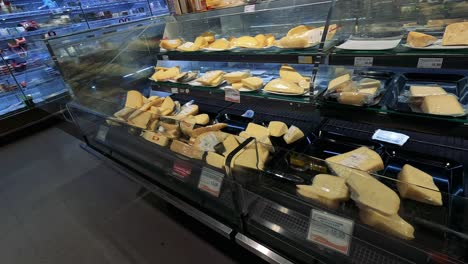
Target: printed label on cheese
211 181
354 160
232 95
181 169
331 231
102 133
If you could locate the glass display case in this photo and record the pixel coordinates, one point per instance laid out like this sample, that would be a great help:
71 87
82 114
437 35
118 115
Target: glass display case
265 119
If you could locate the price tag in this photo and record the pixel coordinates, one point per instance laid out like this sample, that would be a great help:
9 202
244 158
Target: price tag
330 231
430 63
211 181
249 8
181 169
305 60
102 133
165 57
363 61
174 90
390 137
231 95
170 19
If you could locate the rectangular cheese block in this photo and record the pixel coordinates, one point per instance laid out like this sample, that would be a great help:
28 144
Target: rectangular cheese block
354 98
257 131
361 158
456 34
156 138
421 90
419 186
234 77
215 160
442 105
277 128
326 189
394 224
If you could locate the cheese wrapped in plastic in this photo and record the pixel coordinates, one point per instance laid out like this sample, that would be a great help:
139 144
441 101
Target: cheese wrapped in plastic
237 76
423 90
170 44
361 158
327 189
354 98
456 34
446 104
419 40
283 86
393 224
419 186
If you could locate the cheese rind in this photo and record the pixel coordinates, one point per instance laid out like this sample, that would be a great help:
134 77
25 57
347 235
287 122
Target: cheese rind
277 128
420 90
419 40
393 224
446 104
293 135
456 34
419 186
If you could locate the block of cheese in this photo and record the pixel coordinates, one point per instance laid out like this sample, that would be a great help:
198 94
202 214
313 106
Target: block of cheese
140 120
287 72
369 91
420 90
202 119
188 47
277 128
207 141
261 40
283 86
237 76
156 138
168 103
252 83
220 44
298 30
446 104
164 75
211 78
245 42
369 192
293 135
188 110
394 224
209 36
248 158
134 99
293 42
367 83
201 130
170 44
237 85
201 42
230 143
339 84
419 40
361 158
270 39
257 131
187 124
326 189
215 160
419 186
456 34
354 98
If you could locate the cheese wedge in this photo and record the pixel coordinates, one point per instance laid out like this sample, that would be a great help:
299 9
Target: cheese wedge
293 135
257 131
326 189
201 42
237 76
261 40
202 119
164 75
298 30
421 91
419 186
245 42
237 85
283 86
134 99
211 78
170 44
339 84
277 128
456 34
201 130
156 138
248 158
215 160
361 158
229 144
187 110
188 47
220 44
294 42
419 40
446 104
141 120
124 113
252 83
394 224
208 140
208 36
371 193
186 150
287 72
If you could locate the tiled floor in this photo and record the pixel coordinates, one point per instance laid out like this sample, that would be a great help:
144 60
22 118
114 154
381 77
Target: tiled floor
59 204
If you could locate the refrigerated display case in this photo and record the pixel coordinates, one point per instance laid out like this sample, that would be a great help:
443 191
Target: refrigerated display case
299 148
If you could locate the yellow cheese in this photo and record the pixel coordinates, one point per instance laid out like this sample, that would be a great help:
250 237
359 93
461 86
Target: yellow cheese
140 120
186 125
339 83
353 98
185 149
156 138
215 160
134 99
170 44
419 186
237 76
201 42
277 128
252 83
261 39
270 39
326 189
369 91
202 119
209 36
124 113
168 104
210 77
417 90
208 140
361 158
216 127
298 30
419 40
220 44
248 158
246 42
283 86
289 73
257 131
153 97
164 75
368 83
230 143
394 224
237 85
188 47
370 192
446 104
293 135
294 42
188 110
153 125
456 34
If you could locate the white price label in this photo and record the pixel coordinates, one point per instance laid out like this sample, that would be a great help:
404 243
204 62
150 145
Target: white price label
165 57
363 61
305 60
430 63
211 181
102 133
331 231
390 137
249 8
174 90
231 95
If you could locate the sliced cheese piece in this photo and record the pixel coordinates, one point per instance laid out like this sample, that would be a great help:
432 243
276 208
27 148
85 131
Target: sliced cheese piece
252 83
277 128
283 86
220 44
394 224
326 189
237 76
419 40
298 30
456 34
186 150
421 90
210 78
170 44
257 131
237 85
289 73
230 143
202 119
446 104
134 99
419 186
361 158
215 160
246 42
156 138
141 120
293 135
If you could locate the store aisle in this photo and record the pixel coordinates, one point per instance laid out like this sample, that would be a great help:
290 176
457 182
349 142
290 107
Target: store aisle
59 204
